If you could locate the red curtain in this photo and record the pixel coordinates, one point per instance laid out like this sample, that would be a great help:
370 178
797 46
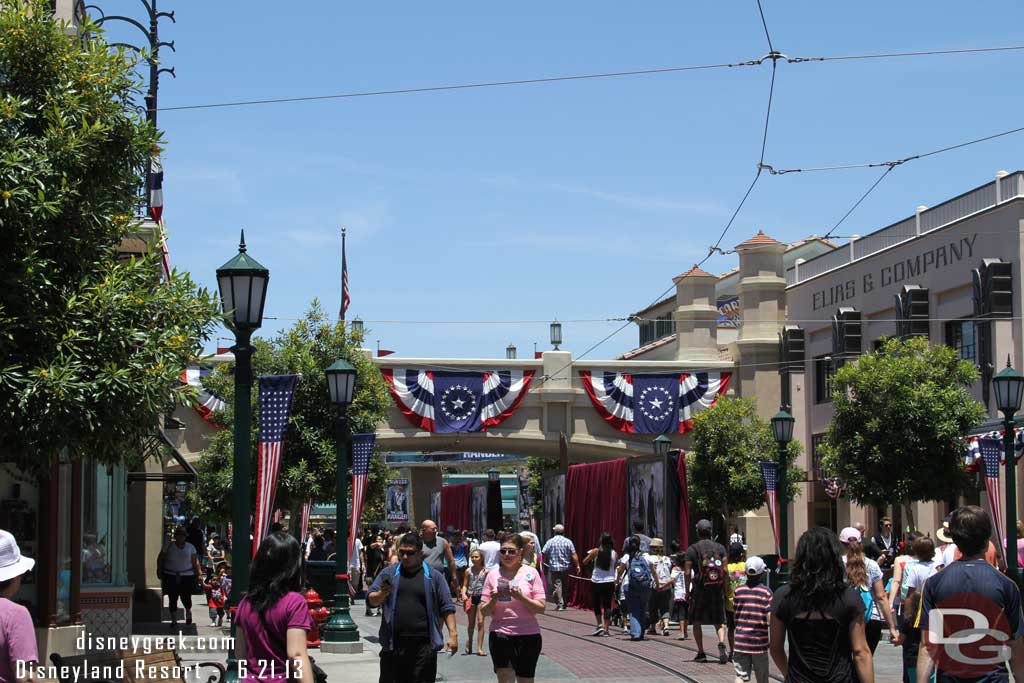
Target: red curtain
456 506
595 502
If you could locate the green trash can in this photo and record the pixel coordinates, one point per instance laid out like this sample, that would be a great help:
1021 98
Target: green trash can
320 577
776 577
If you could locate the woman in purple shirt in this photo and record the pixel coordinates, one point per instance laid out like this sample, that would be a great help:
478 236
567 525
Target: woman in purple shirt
17 635
273 617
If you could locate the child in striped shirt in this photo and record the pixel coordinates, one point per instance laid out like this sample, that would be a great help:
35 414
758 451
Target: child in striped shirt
752 603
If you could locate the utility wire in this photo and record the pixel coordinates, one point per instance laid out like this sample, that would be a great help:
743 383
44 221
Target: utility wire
579 77
857 203
765 25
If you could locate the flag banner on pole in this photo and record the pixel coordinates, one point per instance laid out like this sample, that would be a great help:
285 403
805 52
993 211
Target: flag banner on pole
362 451
304 520
346 299
769 474
991 454
973 455
276 392
448 402
156 188
663 403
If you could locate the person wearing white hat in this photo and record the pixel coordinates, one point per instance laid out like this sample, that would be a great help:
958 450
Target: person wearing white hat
17 634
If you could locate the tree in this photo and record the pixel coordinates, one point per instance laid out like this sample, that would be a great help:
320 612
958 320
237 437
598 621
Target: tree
900 415
308 464
536 468
724 469
91 346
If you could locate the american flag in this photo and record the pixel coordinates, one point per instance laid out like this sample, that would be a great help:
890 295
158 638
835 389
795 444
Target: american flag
362 451
276 392
991 452
769 473
156 207
345 298
304 522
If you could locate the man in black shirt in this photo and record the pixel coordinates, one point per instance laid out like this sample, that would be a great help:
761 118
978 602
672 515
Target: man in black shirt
706 559
415 598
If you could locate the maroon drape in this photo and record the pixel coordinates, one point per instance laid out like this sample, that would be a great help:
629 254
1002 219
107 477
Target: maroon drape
595 502
684 503
456 506
495 518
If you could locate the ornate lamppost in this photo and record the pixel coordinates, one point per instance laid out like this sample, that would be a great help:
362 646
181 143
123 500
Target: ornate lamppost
1009 386
782 427
661 445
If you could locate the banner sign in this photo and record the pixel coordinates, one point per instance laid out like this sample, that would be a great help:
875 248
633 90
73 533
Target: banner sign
394 459
396 508
729 314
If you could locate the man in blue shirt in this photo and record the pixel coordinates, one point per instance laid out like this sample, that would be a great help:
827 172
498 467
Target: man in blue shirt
971 621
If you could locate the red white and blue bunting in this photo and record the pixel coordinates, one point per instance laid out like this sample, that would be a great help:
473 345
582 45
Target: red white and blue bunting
446 402
663 403
973 458
208 402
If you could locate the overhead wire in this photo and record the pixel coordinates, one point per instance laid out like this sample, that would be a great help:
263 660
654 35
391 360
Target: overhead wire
858 202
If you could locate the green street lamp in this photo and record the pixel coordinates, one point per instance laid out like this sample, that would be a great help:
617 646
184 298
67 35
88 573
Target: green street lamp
661 445
243 290
782 427
340 634
1009 387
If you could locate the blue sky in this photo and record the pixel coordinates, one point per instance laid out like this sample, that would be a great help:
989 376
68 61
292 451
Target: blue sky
576 199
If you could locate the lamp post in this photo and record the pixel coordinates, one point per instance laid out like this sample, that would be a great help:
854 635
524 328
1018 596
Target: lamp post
556 334
242 282
341 634
510 352
357 327
1009 386
661 445
782 426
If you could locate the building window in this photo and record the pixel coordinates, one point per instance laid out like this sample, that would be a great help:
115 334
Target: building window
97 522
823 379
657 328
816 441
960 334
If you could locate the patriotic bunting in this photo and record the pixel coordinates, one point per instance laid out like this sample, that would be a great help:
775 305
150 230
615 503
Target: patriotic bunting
769 474
653 403
276 392
974 455
208 402
447 402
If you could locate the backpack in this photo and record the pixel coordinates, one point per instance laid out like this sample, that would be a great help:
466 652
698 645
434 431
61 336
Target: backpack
712 570
640 572
868 598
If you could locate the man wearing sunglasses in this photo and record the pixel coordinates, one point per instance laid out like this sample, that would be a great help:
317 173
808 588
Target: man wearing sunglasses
887 542
415 598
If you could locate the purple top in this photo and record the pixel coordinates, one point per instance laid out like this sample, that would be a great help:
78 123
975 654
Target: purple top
17 639
265 658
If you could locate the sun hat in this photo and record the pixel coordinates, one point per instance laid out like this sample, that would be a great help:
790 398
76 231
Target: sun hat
755 566
942 533
12 562
849 534
657 543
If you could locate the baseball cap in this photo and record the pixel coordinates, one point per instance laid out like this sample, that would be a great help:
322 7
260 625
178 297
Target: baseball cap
704 525
12 562
755 566
849 534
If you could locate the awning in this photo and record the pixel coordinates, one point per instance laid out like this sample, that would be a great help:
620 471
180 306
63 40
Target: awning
187 473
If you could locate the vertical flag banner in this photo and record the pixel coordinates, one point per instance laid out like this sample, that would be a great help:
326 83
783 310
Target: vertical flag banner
362 451
156 206
304 521
276 392
345 298
991 453
769 473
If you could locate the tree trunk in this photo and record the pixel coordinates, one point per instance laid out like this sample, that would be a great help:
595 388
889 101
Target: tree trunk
909 507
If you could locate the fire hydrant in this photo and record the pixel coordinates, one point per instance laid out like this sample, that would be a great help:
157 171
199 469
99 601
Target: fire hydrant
318 613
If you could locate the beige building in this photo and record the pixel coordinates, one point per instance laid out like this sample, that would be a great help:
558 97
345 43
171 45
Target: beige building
830 302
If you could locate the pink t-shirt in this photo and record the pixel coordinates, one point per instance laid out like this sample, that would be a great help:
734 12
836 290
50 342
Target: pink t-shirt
17 639
265 653
512 618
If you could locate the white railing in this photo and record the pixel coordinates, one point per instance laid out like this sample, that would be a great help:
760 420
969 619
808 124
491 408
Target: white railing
958 208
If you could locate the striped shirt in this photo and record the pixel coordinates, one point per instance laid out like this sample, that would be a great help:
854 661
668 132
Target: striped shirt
752 605
558 553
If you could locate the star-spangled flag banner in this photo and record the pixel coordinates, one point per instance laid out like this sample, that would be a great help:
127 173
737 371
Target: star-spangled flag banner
276 393
346 298
662 403
362 452
991 454
973 455
447 402
304 520
207 401
769 475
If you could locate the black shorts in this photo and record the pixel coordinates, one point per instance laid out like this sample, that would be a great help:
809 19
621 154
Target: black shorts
661 603
679 610
476 599
519 653
707 606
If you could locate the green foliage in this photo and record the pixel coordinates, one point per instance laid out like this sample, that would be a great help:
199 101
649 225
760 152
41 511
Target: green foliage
900 415
91 348
537 467
308 467
724 469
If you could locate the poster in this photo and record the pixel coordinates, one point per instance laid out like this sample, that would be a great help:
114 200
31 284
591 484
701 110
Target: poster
435 506
479 507
647 497
396 507
729 312
554 502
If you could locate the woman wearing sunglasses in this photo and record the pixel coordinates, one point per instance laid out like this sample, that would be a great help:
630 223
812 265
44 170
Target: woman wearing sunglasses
513 595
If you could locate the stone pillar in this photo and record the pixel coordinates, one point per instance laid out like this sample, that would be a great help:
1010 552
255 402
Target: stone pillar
696 316
423 481
557 393
762 290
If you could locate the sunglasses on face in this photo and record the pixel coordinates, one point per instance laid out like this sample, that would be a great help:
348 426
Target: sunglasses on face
406 553
509 551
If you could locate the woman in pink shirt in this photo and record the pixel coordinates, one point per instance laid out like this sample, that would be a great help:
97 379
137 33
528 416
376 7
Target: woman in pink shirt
17 634
513 595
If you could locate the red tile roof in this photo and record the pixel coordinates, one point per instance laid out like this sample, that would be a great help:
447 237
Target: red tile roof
758 239
696 271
